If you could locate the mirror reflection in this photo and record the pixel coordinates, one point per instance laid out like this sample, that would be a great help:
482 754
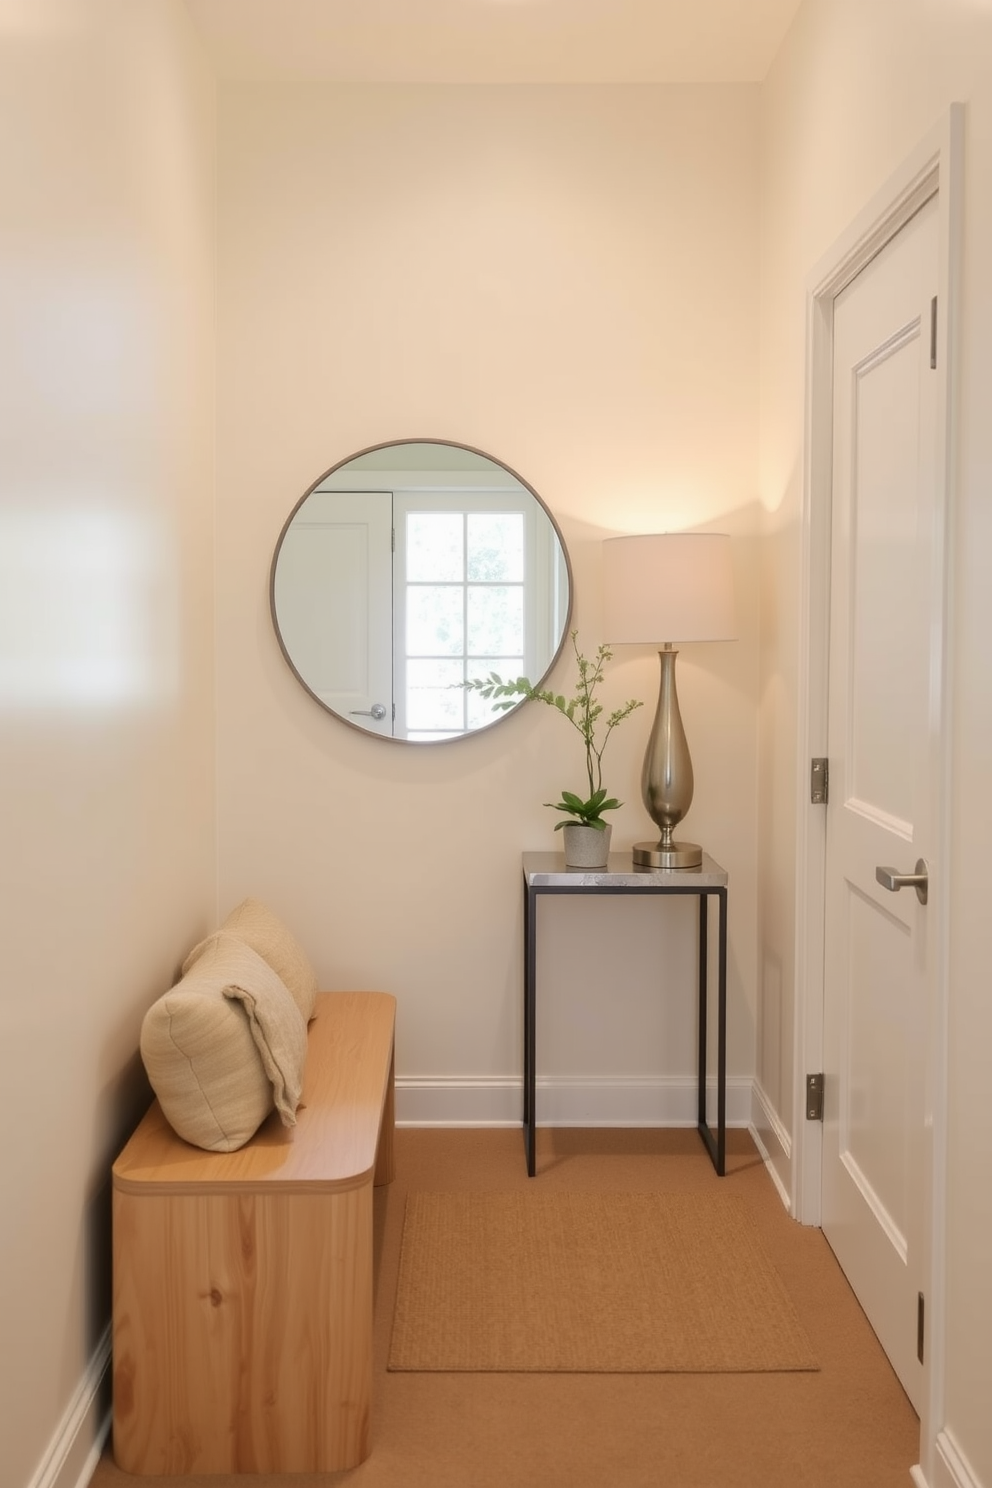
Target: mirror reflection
409 568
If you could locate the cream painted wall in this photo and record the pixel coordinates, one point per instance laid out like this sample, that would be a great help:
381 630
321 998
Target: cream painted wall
106 716
853 91
566 278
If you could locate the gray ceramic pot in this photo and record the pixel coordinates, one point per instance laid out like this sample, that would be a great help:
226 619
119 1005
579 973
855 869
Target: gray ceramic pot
584 846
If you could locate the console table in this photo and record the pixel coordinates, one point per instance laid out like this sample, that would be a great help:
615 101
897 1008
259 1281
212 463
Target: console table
545 873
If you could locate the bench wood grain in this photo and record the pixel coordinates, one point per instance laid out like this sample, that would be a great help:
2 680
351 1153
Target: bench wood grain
243 1280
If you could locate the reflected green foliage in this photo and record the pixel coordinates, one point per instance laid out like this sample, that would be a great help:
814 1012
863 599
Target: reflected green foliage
495 546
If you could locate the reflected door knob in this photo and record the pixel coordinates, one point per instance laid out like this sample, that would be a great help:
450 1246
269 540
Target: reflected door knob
377 711
893 880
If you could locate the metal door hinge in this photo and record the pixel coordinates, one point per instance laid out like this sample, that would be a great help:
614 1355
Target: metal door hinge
814 1097
819 782
920 1311
933 332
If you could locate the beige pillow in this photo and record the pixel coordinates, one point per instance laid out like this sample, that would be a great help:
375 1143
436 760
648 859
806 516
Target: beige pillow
258 927
224 1045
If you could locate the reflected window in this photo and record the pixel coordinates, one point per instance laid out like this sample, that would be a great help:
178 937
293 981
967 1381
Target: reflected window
462 596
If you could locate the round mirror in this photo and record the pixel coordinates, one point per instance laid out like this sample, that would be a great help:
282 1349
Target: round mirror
408 569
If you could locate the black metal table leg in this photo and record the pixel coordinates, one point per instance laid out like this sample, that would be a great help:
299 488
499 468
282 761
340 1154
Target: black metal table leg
721 1056
715 1145
701 1122
530 1028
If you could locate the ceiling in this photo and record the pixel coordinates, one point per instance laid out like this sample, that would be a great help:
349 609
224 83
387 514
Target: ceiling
494 41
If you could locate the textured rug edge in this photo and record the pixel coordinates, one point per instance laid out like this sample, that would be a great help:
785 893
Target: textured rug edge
445 1298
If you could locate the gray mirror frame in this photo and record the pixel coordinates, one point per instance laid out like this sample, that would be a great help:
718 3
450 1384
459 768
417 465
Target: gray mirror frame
393 444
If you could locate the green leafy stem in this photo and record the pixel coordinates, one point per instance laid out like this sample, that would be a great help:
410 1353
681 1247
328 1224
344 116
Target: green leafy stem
584 713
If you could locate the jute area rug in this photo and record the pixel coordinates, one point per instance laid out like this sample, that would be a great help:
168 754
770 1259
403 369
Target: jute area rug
590 1282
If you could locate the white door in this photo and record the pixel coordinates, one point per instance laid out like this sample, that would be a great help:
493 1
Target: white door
885 626
333 601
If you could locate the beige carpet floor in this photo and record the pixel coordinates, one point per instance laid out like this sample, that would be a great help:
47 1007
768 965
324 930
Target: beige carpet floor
591 1282
847 1425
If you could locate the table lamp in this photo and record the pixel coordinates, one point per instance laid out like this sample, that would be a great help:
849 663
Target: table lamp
661 589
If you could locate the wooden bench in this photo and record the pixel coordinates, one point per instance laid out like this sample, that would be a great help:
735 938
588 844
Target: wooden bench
243 1280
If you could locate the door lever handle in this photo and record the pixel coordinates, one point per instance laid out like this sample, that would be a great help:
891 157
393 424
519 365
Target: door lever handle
893 880
377 711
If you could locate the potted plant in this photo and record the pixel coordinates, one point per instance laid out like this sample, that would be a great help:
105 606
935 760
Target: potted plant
586 834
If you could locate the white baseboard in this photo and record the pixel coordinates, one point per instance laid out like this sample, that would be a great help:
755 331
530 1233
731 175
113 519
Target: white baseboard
571 1101
773 1142
438 1101
771 1170
75 1448
952 1468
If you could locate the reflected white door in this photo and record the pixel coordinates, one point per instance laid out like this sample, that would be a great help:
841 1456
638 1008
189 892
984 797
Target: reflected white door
333 601
885 627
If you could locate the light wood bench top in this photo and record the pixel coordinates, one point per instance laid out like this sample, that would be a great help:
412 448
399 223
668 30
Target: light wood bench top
346 1082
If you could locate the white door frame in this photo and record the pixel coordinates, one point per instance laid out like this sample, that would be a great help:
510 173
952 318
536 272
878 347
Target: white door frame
934 165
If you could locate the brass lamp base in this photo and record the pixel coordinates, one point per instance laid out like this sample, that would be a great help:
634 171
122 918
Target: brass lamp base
667 855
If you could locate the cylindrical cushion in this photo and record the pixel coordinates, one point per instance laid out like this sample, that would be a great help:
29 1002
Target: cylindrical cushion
224 1045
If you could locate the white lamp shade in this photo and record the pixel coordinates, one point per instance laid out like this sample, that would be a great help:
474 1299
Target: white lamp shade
668 587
